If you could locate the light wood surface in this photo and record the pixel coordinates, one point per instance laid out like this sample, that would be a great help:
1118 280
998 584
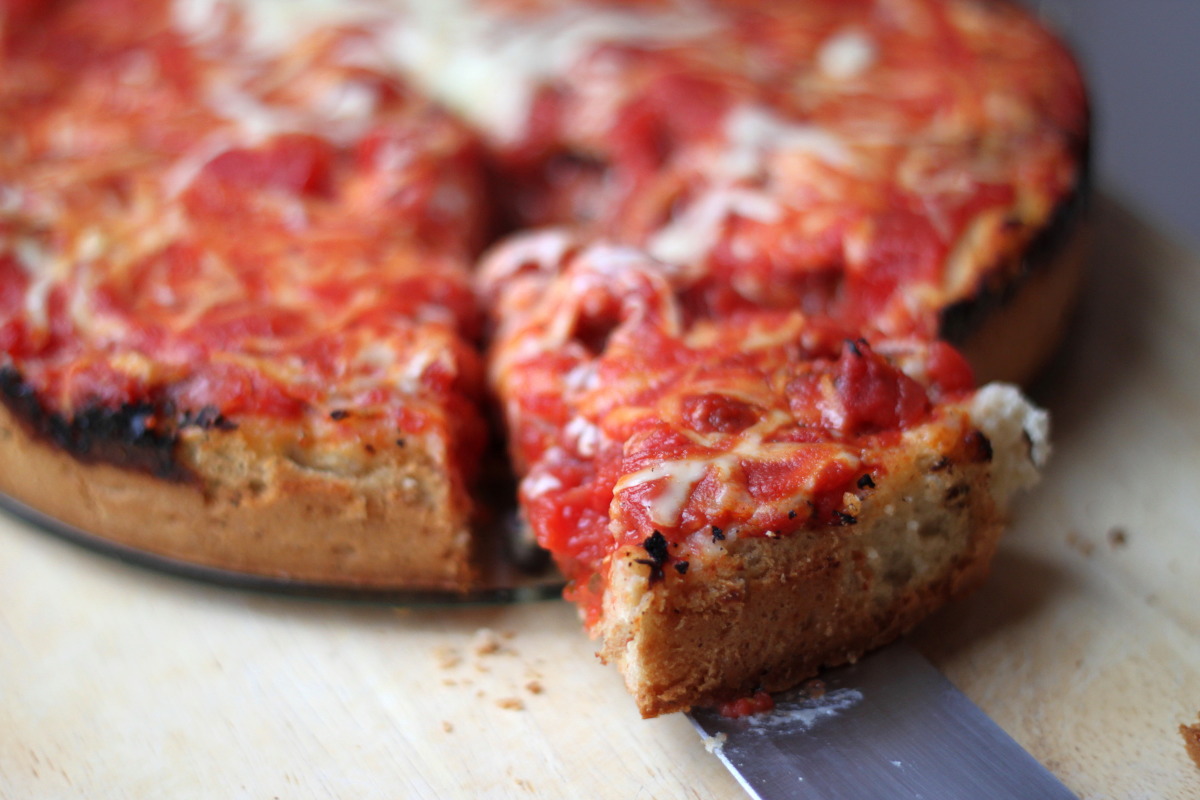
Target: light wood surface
118 682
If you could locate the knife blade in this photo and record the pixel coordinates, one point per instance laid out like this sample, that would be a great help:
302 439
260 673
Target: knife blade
889 726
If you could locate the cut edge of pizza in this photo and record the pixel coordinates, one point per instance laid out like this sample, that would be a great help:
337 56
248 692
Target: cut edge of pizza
764 613
217 498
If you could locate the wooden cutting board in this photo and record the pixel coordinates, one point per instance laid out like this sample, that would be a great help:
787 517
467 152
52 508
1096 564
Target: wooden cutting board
118 682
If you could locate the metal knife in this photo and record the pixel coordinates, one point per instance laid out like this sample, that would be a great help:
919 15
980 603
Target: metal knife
889 726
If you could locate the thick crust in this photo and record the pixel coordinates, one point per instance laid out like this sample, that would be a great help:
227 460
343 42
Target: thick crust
396 525
763 613
1019 334
1016 314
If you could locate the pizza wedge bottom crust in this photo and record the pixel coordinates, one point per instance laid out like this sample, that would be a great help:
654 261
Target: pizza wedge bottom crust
766 613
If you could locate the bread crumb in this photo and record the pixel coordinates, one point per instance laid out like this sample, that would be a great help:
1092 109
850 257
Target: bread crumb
447 726
1019 436
511 703
714 743
534 687
1079 542
1117 537
447 657
523 784
487 642
1191 741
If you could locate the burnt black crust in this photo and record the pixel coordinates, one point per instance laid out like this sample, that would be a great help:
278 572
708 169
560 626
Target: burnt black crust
656 548
959 320
137 436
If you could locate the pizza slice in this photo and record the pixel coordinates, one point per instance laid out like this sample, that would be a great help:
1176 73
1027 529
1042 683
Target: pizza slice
740 500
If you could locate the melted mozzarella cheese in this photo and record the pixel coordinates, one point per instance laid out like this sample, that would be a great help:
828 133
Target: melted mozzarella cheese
755 138
847 54
485 66
755 134
488 68
40 267
544 250
584 436
272 26
677 478
11 198
538 483
692 235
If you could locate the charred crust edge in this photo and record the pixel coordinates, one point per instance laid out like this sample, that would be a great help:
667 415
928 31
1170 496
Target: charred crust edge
959 320
136 436
655 546
979 446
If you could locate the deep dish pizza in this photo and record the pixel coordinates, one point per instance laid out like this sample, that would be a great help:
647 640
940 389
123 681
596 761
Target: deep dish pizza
730 259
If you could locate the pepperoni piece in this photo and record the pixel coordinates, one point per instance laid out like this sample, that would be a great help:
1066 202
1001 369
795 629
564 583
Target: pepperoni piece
876 396
717 413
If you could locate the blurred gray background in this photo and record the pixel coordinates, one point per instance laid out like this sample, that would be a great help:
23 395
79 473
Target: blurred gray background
1142 60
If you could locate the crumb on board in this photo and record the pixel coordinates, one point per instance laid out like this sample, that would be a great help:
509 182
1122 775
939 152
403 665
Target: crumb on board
447 657
447 726
485 642
1191 741
714 743
1117 537
488 642
524 784
511 703
1077 541
534 687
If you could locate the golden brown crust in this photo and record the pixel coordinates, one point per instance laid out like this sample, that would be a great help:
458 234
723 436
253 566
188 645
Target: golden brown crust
1016 337
767 613
394 526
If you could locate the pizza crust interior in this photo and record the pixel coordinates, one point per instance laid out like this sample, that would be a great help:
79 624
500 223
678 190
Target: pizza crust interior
765 613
